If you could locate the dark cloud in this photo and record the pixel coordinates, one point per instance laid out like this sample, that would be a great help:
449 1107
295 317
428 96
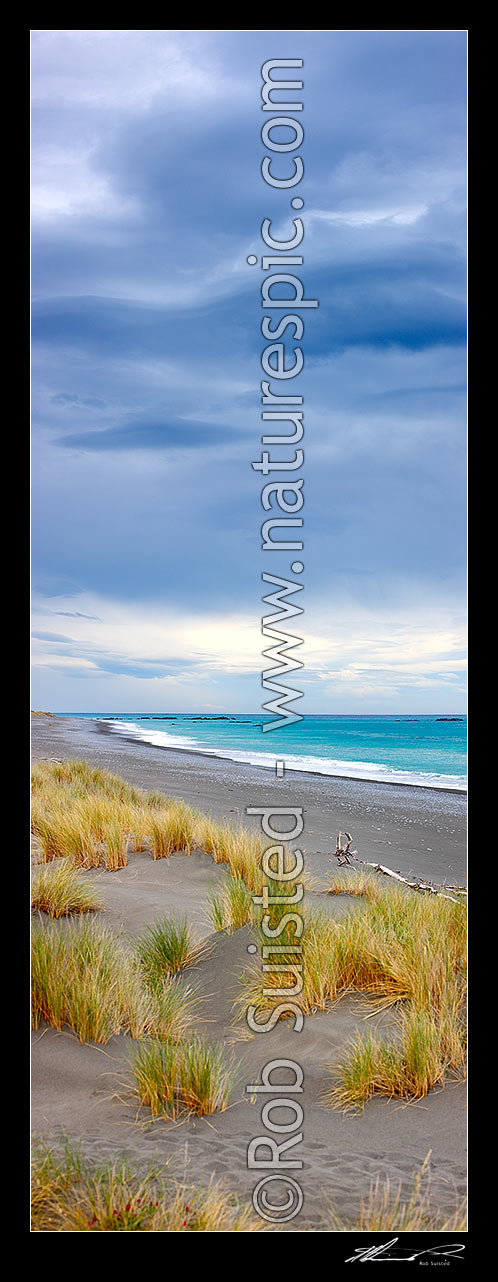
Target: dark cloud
146 318
182 434
66 398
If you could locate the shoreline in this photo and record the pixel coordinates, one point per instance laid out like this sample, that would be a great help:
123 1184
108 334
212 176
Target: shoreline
423 829
321 774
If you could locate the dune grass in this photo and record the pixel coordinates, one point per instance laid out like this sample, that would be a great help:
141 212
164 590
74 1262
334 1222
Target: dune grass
172 1009
94 817
155 1074
231 907
64 831
402 950
236 846
425 1049
400 946
58 891
205 1077
72 1195
173 1078
412 1209
91 832
77 979
167 1012
97 819
69 1193
356 882
166 948
79 778
423 951
84 977
171 829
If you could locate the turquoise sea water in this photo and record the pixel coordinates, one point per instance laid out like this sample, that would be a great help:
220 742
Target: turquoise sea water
421 751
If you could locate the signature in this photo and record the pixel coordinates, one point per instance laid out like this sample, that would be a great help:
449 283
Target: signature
389 1251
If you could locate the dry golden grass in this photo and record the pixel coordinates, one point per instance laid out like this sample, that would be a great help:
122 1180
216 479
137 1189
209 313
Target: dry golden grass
402 949
419 1057
58 890
236 846
389 1209
171 829
97 819
71 1195
400 946
355 882
84 977
194 1077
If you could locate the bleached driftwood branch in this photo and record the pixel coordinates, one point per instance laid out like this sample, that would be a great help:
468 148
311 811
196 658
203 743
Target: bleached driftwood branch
345 855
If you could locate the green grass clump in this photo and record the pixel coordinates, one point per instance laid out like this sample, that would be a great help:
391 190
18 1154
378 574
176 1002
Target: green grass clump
155 1072
76 979
166 948
85 977
58 890
175 1078
231 907
205 1077
72 1195
174 1007
423 1052
167 1010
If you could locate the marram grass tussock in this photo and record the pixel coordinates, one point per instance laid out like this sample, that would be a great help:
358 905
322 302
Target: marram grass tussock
86 978
401 950
194 1077
59 891
94 818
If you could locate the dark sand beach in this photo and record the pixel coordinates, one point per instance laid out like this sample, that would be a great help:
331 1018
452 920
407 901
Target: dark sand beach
78 1088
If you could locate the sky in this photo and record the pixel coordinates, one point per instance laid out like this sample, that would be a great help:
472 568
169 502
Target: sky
147 198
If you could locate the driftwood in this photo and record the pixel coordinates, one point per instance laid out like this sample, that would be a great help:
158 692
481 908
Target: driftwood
345 855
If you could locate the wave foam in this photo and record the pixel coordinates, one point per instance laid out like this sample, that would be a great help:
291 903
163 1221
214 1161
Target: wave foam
371 771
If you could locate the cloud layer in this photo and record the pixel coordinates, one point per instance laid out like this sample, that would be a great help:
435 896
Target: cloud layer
146 343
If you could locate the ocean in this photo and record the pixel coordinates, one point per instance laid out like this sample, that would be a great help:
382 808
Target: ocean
421 751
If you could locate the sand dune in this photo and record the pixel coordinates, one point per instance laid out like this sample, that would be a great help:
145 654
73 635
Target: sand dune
80 1089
